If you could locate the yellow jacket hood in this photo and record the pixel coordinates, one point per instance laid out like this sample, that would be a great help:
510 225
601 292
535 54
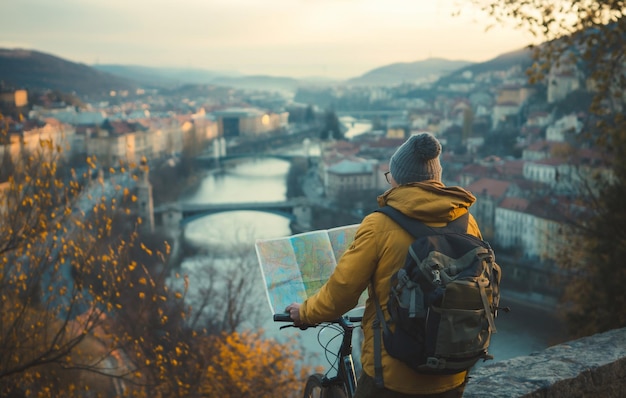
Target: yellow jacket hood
430 202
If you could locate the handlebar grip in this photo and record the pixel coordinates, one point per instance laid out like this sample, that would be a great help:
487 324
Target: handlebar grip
282 318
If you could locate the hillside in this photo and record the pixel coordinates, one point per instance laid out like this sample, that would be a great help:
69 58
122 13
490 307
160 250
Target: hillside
409 72
172 77
162 77
522 57
35 71
259 82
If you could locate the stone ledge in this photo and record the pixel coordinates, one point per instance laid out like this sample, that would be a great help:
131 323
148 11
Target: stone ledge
593 366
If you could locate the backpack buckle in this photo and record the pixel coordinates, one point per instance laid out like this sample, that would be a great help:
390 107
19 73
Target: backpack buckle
435 363
403 278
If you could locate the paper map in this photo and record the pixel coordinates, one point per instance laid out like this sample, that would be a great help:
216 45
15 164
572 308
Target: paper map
295 267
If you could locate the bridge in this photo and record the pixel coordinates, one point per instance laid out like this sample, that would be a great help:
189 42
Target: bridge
297 210
208 160
372 114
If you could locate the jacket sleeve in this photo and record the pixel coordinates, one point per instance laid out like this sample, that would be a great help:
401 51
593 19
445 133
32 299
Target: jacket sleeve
352 275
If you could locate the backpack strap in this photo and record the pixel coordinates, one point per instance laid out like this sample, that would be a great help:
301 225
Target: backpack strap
379 323
417 228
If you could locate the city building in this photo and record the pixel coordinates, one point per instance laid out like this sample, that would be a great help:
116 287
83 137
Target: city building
489 193
248 122
350 176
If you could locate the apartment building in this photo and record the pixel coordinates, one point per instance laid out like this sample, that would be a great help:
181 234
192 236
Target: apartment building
17 98
563 78
350 176
28 136
566 124
248 122
118 142
536 229
489 193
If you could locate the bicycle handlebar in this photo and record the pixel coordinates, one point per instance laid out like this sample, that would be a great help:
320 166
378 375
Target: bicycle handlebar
282 318
287 318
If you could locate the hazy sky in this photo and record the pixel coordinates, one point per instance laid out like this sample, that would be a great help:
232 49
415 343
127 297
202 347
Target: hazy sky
334 38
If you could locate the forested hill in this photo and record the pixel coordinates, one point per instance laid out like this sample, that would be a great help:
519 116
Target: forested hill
35 71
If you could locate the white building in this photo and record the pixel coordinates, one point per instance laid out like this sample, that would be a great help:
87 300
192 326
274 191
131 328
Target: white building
569 123
536 229
539 119
31 141
562 80
510 222
502 111
350 176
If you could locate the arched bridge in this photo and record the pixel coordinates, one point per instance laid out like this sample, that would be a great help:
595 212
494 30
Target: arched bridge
209 160
294 209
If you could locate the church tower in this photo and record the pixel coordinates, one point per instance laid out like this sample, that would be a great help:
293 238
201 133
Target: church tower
144 197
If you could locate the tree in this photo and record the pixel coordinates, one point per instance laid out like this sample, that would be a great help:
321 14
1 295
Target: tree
247 365
590 35
227 358
193 145
65 275
309 116
226 300
331 128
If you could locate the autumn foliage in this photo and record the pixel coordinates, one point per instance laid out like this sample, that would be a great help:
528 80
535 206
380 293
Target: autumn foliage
85 308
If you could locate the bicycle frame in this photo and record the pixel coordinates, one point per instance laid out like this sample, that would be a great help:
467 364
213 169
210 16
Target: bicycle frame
346 374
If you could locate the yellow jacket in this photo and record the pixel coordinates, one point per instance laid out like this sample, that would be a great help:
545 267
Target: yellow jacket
379 250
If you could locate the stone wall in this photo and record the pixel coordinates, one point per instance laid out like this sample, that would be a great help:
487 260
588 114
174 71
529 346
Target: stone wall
593 366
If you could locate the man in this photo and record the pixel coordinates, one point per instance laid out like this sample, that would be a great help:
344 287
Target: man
378 251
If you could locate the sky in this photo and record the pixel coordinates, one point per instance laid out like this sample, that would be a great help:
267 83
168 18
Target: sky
295 38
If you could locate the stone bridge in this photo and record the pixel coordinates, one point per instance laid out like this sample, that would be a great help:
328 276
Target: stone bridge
298 210
208 160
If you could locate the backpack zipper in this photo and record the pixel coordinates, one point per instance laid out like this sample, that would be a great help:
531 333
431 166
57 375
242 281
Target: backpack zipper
436 277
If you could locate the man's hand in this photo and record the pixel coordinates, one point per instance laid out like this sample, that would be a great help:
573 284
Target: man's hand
293 310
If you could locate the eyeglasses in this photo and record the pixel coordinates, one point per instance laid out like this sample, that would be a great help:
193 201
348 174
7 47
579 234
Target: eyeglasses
387 177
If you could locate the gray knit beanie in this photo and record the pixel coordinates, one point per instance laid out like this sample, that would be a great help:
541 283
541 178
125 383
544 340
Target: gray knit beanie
416 160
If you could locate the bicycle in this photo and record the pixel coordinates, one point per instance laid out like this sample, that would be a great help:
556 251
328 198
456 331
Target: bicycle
343 384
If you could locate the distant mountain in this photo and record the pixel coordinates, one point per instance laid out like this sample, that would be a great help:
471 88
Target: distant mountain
163 77
172 77
35 70
260 82
408 72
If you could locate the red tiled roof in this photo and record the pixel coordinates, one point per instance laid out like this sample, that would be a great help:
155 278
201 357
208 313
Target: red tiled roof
475 169
531 130
488 186
542 145
512 203
549 208
511 168
551 161
84 128
386 143
537 114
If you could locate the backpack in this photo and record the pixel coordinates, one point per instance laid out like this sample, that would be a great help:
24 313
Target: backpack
442 302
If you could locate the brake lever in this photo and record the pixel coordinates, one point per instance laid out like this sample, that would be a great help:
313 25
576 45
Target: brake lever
301 327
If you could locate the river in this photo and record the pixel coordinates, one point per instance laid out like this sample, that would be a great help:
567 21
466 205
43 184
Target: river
520 332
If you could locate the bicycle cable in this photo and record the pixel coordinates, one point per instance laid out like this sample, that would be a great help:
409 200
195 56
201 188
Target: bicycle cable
328 353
